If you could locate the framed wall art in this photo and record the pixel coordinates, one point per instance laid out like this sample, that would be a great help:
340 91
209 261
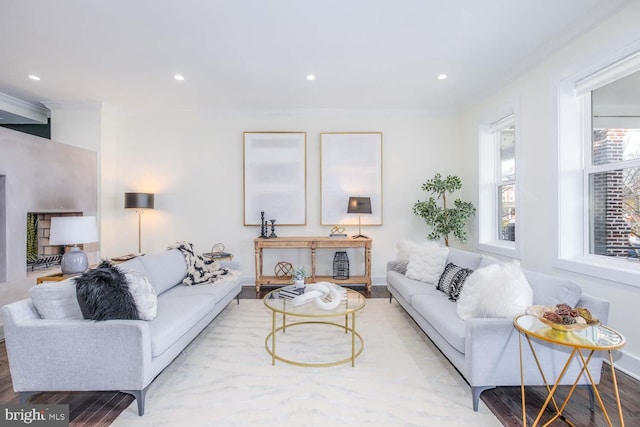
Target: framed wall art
275 177
351 166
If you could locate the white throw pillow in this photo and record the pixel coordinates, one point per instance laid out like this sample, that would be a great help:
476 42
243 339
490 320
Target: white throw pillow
143 294
404 253
427 261
497 290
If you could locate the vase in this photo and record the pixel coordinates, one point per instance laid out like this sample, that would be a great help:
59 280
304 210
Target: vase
299 283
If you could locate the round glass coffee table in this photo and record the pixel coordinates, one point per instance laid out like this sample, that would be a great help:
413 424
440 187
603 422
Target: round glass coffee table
588 340
311 313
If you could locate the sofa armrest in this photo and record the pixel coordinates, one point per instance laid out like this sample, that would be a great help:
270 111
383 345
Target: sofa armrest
76 354
488 343
492 356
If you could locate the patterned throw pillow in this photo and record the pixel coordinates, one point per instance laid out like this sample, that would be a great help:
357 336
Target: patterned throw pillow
452 280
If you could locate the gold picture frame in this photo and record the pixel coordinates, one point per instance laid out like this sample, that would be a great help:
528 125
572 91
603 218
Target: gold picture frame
275 177
350 165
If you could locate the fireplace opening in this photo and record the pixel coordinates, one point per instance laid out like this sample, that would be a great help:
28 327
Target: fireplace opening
40 254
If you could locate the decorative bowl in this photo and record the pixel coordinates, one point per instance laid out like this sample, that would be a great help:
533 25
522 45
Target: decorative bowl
568 328
539 310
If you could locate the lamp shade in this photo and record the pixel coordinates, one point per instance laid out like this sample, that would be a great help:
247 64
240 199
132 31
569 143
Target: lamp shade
359 205
73 230
138 200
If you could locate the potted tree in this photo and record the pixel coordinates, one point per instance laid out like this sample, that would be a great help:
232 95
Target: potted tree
444 219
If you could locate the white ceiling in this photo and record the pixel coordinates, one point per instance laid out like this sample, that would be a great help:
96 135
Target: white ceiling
255 54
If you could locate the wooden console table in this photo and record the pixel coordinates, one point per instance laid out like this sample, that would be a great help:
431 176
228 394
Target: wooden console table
312 243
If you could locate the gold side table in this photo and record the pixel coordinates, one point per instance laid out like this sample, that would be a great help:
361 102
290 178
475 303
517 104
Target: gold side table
589 340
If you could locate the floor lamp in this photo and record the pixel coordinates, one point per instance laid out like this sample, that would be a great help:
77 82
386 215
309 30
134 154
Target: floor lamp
359 205
139 202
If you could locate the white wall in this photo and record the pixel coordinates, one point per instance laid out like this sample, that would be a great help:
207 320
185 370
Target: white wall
41 176
537 220
193 162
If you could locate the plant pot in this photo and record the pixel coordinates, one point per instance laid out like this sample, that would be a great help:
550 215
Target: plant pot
299 283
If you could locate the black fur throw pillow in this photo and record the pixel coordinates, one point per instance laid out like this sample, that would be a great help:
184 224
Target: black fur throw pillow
103 294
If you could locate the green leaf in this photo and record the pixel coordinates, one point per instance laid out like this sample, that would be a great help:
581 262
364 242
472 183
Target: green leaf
442 219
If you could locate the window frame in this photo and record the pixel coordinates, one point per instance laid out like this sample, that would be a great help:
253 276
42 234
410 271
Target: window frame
490 181
574 168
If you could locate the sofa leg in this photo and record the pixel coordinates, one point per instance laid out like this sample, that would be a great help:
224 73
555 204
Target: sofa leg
475 392
238 299
592 397
139 395
23 396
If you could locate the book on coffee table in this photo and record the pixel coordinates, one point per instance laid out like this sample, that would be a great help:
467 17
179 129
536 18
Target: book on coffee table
290 291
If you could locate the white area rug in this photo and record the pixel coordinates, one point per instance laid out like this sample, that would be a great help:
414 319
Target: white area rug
225 377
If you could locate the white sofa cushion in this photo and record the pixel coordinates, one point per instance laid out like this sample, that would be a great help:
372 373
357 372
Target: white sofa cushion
56 300
182 307
465 259
549 290
441 314
427 262
165 269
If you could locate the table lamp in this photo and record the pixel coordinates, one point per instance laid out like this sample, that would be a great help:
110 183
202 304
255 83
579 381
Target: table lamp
73 230
359 205
139 202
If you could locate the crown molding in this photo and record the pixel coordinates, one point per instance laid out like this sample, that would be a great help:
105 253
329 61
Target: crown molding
19 109
73 105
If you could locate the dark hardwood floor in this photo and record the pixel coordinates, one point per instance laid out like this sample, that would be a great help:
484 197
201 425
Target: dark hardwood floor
97 409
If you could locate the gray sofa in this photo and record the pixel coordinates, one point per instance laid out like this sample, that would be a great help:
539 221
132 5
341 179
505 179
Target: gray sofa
486 350
64 352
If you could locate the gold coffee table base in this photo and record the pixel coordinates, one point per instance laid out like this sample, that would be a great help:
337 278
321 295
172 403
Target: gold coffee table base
314 314
355 352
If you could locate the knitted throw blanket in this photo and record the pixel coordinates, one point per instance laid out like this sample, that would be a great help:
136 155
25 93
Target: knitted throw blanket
199 269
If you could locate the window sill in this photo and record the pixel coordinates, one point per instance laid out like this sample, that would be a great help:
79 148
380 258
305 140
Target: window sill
622 271
500 247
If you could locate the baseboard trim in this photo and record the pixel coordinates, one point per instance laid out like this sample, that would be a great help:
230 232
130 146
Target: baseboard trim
626 363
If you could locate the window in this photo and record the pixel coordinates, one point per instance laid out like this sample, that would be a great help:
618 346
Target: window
506 182
599 173
498 186
613 169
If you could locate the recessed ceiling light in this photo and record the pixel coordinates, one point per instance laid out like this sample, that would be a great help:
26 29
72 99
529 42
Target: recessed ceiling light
179 77
34 77
311 77
442 76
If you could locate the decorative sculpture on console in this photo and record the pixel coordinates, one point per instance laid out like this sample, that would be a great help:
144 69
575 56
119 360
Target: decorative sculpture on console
263 226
